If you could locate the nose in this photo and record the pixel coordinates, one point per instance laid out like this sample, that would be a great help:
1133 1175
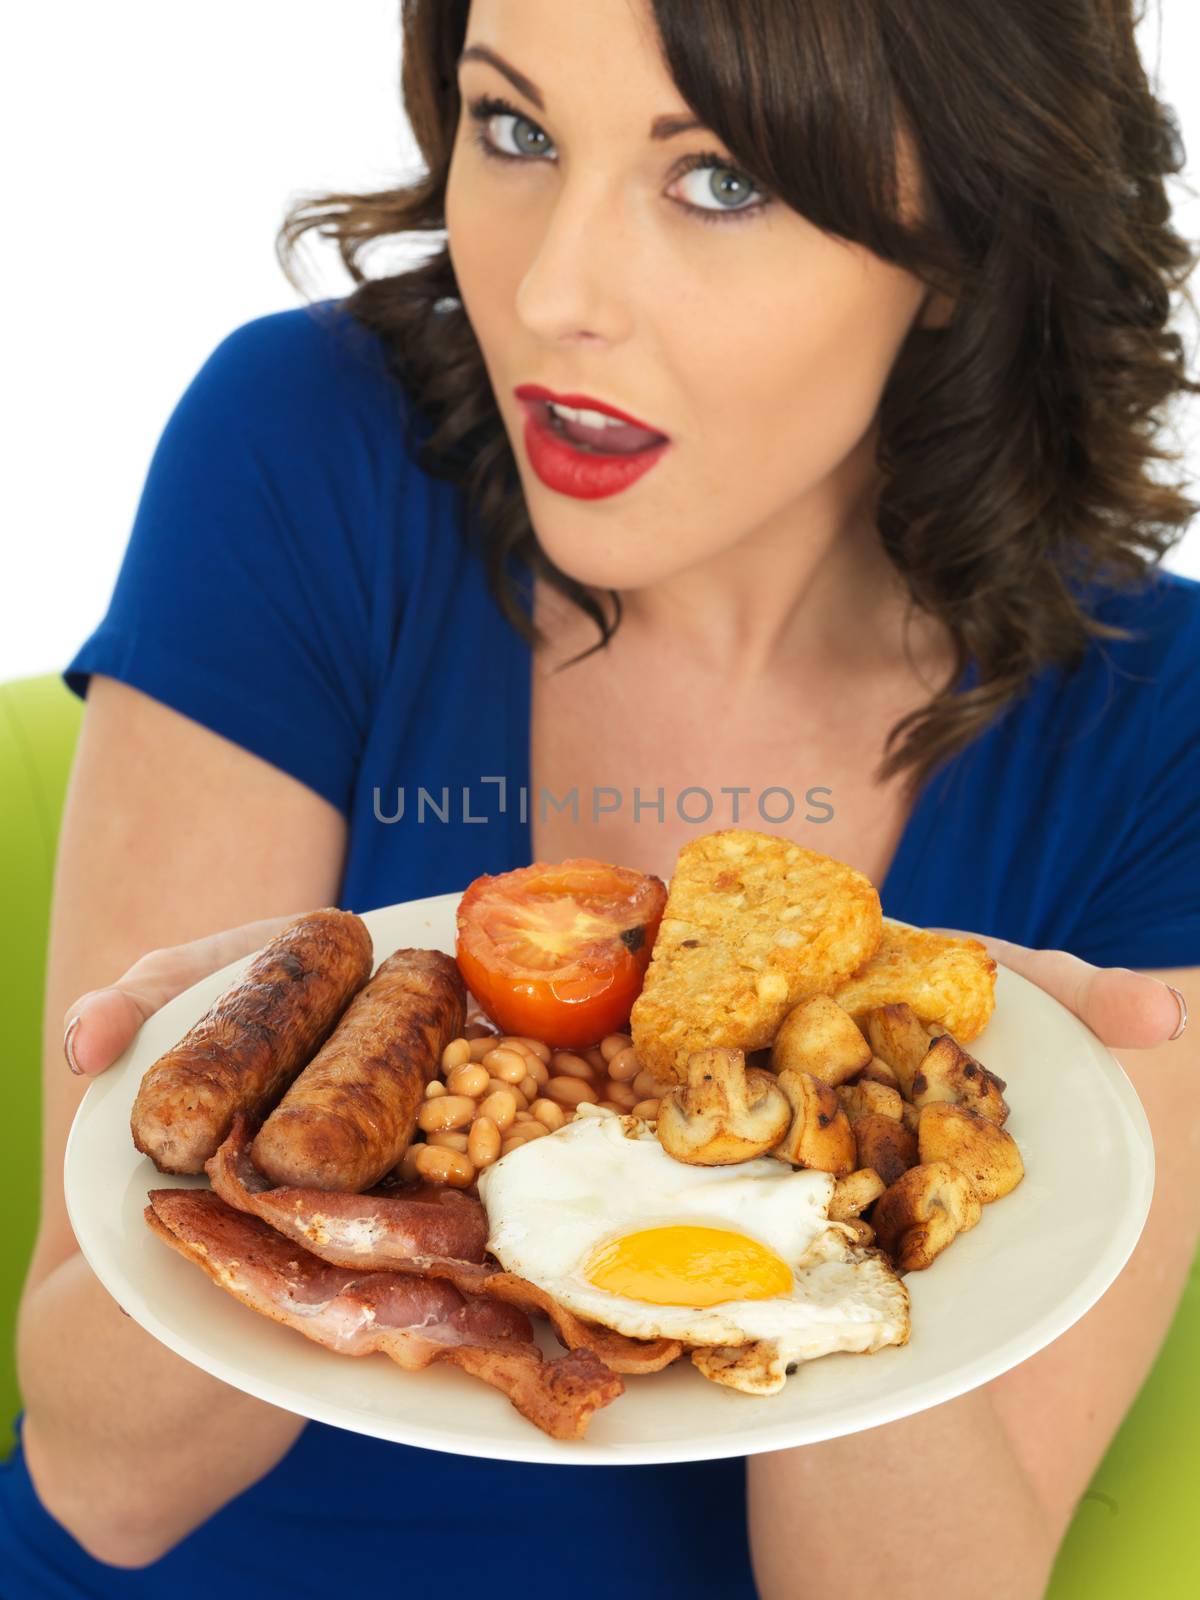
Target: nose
578 281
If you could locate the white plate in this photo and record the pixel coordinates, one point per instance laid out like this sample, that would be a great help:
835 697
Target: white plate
1032 1266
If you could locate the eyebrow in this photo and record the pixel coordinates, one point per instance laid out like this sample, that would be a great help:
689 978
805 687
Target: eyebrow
665 127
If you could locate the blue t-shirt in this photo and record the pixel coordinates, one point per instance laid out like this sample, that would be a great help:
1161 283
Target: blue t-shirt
296 582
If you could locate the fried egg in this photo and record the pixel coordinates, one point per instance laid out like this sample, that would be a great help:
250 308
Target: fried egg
741 1263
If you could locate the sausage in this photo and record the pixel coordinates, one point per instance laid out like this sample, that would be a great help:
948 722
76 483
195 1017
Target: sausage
352 1112
252 1041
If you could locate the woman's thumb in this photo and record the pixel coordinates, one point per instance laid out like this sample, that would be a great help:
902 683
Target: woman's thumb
102 1022
101 1025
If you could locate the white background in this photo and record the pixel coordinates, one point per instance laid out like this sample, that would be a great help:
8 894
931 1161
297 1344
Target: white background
150 151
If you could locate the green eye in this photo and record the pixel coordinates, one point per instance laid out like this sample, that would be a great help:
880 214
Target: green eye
724 183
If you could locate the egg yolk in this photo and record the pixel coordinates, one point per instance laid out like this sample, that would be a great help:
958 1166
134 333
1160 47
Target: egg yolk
688 1266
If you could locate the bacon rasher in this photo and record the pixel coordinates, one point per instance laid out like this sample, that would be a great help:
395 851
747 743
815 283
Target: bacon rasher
374 1231
413 1319
357 1230
616 1350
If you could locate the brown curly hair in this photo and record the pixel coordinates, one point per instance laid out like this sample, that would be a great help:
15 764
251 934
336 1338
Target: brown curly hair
1016 445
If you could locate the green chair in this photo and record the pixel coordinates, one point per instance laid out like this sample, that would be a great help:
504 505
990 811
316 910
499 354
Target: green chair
39 722
1132 1535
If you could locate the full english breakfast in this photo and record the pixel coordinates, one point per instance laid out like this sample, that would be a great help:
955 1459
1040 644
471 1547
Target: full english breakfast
722 1117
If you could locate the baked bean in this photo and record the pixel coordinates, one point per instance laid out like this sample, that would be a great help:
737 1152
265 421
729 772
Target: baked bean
541 1050
548 1113
538 1069
530 1087
524 1116
447 1112
407 1167
525 1133
624 1066
611 1105
507 1065
482 1045
483 1142
470 1079
613 1043
647 1110
595 1057
456 1053
447 1140
501 1107
434 1089
570 1091
624 1094
650 1087
510 1144
445 1166
566 1064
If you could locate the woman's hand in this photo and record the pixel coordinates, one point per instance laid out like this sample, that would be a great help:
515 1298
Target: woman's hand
101 1023
1124 1009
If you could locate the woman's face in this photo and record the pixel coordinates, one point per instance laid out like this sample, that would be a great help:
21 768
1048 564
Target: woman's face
595 263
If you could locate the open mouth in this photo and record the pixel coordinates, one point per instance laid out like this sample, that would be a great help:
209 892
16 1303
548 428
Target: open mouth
606 439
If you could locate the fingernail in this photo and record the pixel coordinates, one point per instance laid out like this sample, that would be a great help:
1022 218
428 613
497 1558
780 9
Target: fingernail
1183 1014
69 1045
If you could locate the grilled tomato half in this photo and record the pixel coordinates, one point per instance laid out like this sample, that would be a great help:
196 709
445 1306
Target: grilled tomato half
557 951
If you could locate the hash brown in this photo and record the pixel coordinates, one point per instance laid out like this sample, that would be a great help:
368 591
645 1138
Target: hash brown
949 982
753 925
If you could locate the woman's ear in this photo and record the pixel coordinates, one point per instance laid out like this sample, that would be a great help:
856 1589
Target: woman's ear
937 310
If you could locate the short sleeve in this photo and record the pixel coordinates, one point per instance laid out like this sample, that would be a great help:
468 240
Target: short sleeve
1145 910
245 595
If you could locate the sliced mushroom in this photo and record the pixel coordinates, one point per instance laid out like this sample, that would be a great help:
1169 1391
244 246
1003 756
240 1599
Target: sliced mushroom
819 1038
864 1233
854 1194
860 1098
899 1037
947 1072
724 1113
922 1212
885 1144
972 1143
820 1135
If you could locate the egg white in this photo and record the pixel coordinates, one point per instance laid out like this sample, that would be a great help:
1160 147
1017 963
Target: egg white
553 1202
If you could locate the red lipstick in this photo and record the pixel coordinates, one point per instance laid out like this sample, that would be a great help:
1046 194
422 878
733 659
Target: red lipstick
584 402
581 470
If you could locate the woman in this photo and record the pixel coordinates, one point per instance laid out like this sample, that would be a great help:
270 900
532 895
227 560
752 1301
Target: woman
905 489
